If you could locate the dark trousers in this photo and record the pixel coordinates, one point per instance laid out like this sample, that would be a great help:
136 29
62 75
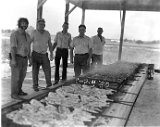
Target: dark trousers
80 63
61 53
97 59
38 60
18 73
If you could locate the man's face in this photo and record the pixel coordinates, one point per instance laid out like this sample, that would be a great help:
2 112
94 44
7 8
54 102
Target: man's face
65 27
100 31
41 25
23 25
82 30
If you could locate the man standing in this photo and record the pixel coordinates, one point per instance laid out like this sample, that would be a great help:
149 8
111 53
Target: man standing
62 42
19 54
41 41
98 45
82 46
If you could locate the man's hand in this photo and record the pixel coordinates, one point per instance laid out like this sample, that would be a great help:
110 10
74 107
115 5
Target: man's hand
51 56
30 62
88 62
71 60
13 63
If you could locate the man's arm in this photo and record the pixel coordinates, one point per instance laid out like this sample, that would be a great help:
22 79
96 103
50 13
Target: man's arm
71 50
50 49
90 47
50 45
71 55
30 53
13 43
54 46
55 42
31 48
104 40
90 51
69 42
13 56
90 56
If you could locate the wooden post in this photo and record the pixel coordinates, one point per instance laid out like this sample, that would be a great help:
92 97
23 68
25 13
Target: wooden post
69 12
39 13
83 16
66 11
122 32
40 9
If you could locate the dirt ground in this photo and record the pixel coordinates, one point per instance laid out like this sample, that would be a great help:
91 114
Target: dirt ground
146 111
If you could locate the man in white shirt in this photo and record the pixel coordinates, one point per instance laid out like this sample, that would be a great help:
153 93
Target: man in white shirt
82 46
41 41
98 45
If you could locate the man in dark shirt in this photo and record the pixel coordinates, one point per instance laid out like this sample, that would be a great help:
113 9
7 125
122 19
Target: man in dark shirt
62 42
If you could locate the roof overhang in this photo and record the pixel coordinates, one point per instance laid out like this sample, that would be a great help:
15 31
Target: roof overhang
132 5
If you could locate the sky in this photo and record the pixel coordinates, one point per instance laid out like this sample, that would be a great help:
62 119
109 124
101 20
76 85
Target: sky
138 25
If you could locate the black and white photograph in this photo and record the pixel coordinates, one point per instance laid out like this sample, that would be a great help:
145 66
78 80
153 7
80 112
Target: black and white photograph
80 63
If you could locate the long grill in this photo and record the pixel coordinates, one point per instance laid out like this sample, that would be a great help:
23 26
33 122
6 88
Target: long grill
113 76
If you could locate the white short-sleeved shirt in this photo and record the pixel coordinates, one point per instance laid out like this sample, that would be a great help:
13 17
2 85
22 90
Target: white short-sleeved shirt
81 45
40 41
98 45
21 42
63 40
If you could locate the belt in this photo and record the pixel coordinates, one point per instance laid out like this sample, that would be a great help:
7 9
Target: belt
21 56
81 54
39 53
62 48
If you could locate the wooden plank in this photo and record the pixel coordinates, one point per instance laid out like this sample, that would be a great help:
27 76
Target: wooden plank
115 122
119 112
11 106
138 84
105 121
129 98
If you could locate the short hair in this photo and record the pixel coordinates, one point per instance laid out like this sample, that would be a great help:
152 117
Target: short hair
82 26
22 20
100 28
41 20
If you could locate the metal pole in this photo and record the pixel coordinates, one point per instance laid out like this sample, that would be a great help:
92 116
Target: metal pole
83 16
66 11
122 32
